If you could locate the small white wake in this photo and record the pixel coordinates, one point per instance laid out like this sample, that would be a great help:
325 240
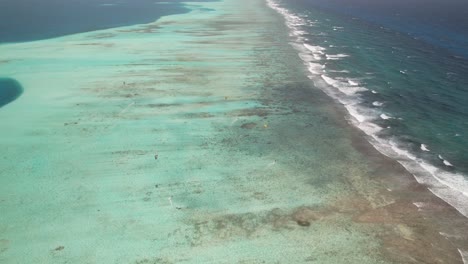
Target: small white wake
126 108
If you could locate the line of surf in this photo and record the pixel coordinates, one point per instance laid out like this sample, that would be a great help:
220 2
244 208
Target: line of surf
449 186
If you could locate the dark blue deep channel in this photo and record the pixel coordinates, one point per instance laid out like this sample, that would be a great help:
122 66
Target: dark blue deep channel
28 20
10 90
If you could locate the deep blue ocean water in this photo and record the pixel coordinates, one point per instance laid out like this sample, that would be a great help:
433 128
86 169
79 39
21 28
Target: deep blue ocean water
401 70
442 23
27 20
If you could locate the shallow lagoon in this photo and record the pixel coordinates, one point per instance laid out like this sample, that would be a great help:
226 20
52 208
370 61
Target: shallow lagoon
254 165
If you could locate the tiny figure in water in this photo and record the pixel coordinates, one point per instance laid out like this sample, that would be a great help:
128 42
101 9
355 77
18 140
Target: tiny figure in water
156 156
124 83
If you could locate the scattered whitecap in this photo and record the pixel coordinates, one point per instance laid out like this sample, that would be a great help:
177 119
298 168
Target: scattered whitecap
385 117
403 71
353 83
424 147
377 103
336 56
446 163
374 91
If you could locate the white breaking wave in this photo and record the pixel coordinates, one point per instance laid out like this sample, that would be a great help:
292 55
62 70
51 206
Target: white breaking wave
316 49
451 187
424 147
336 57
316 68
385 117
446 163
343 87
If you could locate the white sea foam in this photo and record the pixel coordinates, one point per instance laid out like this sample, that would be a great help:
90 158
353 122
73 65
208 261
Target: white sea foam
385 117
355 113
342 71
377 103
298 32
316 68
424 147
446 163
369 128
336 56
315 49
353 83
451 187
343 87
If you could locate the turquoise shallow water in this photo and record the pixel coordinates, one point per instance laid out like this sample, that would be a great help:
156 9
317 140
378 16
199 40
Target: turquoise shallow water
197 139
